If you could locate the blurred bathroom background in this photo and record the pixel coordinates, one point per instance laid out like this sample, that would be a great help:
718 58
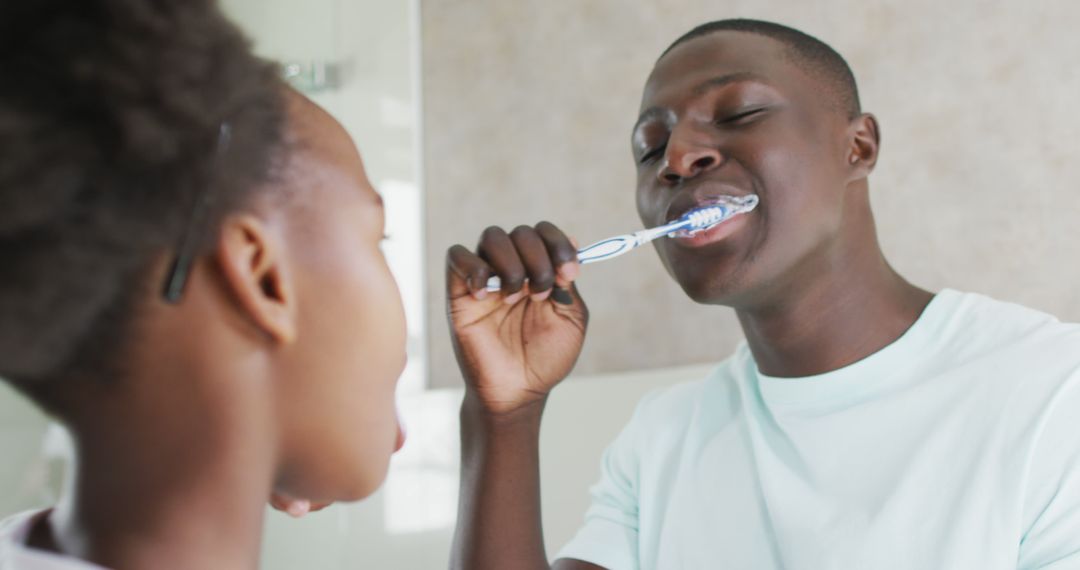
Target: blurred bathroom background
481 112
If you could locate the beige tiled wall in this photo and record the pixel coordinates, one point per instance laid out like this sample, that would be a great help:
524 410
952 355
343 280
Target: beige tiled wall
528 107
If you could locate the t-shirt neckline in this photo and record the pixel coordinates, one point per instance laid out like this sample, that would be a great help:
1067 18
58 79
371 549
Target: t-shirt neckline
915 343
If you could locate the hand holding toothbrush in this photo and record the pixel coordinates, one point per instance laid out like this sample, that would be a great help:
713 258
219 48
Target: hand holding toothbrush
516 320
515 344
697 220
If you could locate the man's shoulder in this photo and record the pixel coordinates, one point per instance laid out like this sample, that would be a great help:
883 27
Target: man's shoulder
1016 331
674 406
987 309
1029 358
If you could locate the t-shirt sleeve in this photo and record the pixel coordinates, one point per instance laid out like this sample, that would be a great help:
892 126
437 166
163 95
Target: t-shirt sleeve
609 537
1051 540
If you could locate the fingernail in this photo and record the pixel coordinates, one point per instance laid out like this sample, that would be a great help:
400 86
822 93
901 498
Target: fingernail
537 297
480 294
514 298
562 296
569 271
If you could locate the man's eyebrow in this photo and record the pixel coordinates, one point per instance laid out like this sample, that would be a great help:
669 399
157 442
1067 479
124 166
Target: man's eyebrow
699 90
650 113
720 81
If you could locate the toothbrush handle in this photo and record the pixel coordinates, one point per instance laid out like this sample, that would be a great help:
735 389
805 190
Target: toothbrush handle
598 251
606 249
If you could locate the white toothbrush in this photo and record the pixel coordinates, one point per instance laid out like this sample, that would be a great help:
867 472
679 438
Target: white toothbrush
697 220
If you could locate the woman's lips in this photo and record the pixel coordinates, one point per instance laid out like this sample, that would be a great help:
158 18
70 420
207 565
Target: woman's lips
717 233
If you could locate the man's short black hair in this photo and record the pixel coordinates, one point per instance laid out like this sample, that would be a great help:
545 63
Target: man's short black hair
110 111
814 55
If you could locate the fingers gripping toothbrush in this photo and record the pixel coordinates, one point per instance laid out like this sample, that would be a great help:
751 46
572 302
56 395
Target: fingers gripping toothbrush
690 223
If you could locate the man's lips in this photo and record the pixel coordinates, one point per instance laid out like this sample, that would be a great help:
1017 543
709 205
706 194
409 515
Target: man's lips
702 196
717 233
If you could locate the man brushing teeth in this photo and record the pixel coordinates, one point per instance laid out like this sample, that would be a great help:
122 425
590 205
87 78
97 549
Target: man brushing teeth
864 422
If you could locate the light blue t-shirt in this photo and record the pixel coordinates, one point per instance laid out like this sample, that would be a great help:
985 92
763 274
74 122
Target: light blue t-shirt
955 447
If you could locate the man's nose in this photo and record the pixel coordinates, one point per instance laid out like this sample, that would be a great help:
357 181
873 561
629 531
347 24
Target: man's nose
688 155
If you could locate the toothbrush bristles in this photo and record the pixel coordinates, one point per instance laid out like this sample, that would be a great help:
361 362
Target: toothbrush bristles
706 216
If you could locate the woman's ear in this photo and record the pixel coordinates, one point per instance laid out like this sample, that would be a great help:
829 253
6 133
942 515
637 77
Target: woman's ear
252 261
864 142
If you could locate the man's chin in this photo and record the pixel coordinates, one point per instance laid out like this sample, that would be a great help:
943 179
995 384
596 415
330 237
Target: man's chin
716 288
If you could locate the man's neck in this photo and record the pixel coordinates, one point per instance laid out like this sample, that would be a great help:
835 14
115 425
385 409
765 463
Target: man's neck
834 320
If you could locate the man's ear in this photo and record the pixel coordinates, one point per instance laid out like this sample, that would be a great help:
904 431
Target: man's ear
253 265
864 142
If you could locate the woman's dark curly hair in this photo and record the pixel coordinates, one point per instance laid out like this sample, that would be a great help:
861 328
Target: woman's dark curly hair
109 115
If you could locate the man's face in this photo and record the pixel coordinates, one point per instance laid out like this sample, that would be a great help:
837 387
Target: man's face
731 113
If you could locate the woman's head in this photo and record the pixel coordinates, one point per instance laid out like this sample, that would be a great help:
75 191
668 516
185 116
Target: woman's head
111 138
